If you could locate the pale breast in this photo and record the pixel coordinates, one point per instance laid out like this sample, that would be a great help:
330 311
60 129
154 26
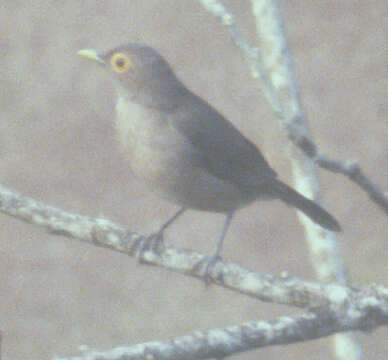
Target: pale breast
156 152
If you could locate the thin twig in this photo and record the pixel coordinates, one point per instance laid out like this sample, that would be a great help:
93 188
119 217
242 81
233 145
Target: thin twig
353 171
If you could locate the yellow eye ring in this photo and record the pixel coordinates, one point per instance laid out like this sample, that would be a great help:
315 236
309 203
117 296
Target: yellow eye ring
120 62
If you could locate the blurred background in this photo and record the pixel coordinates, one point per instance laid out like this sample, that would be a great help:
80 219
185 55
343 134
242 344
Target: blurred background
57 145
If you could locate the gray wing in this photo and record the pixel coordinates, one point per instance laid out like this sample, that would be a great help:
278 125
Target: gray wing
225 152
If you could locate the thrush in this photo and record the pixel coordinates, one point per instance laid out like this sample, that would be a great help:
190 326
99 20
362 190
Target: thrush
185 150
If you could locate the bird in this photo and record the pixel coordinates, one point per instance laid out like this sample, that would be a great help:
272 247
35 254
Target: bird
184 149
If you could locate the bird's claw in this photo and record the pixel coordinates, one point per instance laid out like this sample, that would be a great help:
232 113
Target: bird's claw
153 243
207 265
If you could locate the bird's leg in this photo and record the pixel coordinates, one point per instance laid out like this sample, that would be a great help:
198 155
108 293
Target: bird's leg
155 240
171 220
212 260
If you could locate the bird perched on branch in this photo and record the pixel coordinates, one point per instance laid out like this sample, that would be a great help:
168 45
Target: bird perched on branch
184 149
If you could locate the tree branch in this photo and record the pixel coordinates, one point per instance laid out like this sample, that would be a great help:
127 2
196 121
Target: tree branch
273 67
295 130
353 171
361 313
102 232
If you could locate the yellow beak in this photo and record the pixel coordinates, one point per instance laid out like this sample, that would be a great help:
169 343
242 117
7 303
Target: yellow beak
91 54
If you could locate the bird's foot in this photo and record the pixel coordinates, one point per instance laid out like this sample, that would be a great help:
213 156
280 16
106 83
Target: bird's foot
153 243
207 266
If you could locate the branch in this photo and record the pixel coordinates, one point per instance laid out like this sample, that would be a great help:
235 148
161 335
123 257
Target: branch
253 54
296 131
362 313
338 308
102 232
353 171
273 67
348 168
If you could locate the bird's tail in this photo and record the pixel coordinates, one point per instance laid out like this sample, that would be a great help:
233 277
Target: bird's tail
312 210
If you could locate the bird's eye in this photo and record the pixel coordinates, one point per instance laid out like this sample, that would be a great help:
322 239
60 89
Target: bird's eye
120 62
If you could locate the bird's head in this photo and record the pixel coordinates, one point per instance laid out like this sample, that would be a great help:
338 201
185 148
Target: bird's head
143 74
